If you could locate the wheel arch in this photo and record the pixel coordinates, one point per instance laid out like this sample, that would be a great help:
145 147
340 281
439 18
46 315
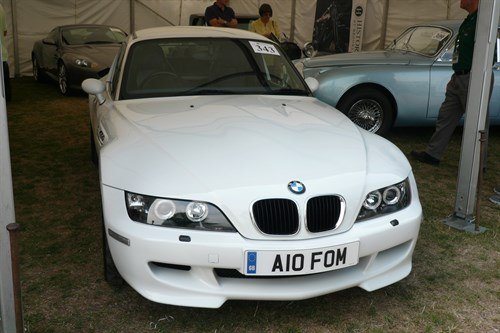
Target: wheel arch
374 86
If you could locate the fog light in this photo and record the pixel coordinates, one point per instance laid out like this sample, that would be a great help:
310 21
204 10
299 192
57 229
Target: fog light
196 211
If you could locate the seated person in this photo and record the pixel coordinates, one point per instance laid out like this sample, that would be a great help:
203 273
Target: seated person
265 25
220 15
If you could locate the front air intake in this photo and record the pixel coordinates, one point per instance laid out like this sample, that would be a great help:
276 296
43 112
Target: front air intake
276 216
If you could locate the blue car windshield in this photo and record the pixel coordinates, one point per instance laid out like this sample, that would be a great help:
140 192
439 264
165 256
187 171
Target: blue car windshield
424 40
208 66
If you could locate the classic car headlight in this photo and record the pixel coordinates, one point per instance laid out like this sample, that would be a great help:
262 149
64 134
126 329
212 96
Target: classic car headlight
176 213
385 200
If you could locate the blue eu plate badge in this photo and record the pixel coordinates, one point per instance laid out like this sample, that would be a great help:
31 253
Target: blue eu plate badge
251 262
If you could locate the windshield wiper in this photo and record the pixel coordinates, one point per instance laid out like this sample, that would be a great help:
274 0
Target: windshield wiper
100 42
206 92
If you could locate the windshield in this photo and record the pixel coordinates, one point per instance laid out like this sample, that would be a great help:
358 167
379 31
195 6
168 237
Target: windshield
92 35
427 41
208 66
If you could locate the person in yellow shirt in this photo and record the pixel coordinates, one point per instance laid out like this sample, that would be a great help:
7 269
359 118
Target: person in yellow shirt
265 25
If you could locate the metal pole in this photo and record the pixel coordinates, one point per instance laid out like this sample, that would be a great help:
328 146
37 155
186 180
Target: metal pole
292 21
132 16
477 106
383 34
482 143
13 229
13 11
7 216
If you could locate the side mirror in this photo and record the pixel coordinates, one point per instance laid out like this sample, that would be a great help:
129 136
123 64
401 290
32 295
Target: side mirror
312 83
96 88
49 41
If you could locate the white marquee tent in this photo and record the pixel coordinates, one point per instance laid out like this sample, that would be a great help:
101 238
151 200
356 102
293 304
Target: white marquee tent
30 20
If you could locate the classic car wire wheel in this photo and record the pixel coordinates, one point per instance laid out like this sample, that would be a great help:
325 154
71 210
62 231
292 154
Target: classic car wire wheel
368 114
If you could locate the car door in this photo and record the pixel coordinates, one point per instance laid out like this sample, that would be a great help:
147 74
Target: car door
440 74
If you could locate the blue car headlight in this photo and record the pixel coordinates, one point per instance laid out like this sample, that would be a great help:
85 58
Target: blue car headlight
385 200
172 213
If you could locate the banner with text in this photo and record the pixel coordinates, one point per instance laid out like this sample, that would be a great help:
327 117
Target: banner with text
339 25
357 25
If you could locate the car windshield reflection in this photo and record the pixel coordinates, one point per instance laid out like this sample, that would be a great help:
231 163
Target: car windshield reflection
92 35
424 40
195 66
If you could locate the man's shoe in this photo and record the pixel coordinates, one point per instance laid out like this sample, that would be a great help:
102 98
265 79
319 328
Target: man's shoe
495 199
423 157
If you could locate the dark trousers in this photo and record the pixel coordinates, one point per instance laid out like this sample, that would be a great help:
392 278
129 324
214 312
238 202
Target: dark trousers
6 81
450 113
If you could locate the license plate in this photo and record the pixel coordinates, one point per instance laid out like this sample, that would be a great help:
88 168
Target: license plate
301 262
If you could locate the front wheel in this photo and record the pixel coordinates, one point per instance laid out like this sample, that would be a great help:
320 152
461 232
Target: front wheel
370 109
62 79
38 74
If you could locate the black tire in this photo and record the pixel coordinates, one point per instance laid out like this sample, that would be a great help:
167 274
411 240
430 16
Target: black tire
93 151
370 109
62 80
38 73
111 274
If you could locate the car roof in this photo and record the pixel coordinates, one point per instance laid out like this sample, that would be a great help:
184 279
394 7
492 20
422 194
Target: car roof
194 31
452 24
86 25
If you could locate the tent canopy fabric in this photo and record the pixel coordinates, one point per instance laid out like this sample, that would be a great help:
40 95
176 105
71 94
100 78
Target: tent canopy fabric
34 19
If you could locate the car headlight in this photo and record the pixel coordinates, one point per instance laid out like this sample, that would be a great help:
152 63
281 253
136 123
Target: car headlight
82 62
85 63
385 200
172 213
309 50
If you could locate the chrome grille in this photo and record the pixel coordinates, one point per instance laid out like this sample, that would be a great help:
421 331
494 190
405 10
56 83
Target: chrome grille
323 213
276 216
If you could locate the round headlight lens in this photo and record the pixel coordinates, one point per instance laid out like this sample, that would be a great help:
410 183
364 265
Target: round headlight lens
391 195
373 200
164 209
196 211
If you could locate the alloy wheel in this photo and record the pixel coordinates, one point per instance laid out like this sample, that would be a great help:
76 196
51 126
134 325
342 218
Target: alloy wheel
367 114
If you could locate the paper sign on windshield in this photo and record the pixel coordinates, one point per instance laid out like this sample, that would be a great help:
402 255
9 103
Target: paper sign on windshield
440 35
264 48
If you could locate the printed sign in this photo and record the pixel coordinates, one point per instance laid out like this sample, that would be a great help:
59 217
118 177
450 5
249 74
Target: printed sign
264 48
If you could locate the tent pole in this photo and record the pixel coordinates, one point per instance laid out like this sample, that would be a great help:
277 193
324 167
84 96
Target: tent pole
476 121
132 16
383 33
17 70
7 216
292 21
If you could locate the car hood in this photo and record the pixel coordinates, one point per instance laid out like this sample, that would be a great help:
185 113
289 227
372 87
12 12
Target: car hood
364 58
234 150
239 141
102 54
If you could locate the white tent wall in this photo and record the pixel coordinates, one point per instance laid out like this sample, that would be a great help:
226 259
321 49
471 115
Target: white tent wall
35 18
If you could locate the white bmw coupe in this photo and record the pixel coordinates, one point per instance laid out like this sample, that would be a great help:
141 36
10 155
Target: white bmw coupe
222 177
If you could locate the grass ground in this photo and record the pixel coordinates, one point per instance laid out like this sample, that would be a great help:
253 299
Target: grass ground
453 287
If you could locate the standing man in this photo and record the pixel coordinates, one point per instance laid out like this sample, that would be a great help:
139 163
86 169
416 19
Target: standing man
5 55
455 102
220 15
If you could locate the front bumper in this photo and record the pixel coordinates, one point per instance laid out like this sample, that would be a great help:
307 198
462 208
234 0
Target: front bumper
385 253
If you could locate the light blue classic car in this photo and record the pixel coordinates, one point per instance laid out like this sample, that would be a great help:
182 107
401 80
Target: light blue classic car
404 85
